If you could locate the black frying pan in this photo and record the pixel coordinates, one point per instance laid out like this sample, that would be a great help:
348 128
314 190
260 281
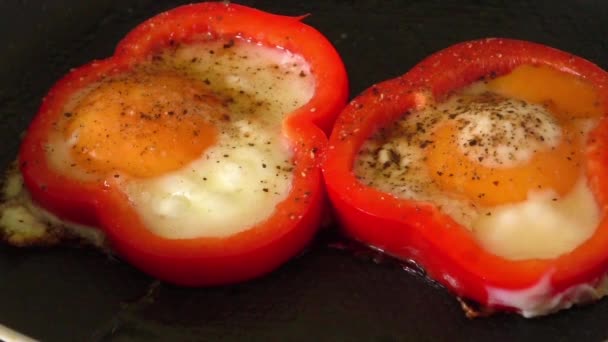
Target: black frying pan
328 293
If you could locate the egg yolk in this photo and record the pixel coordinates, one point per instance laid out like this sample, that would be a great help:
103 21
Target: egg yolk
143 124
551 168
565 95
556 167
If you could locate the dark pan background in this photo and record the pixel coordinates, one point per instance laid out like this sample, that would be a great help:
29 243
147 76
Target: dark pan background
326 294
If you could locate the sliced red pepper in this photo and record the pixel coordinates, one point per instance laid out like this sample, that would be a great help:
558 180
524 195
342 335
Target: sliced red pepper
198 261
419 231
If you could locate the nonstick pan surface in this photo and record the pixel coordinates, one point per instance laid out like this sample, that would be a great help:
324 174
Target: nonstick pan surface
326 294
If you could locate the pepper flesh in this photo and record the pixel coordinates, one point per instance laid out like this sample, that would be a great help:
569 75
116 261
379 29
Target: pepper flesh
198 261
419 231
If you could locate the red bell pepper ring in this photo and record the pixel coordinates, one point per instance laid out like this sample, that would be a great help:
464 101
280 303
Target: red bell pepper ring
199 261
418 231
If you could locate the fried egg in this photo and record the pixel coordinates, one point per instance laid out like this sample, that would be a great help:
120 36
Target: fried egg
503 157
192 137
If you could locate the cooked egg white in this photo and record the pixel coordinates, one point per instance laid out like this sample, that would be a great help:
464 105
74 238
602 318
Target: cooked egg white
543 226
540 299
193 137
23 223
503 133
509 170
236 184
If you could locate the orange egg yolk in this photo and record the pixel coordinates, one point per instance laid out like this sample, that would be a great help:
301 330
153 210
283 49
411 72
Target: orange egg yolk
142 124
554 168
565 95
